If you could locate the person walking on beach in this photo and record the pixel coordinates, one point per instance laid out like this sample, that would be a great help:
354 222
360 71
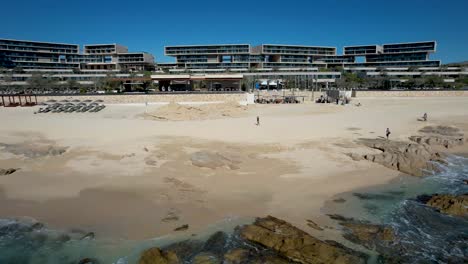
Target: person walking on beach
258 120
387 132
425 117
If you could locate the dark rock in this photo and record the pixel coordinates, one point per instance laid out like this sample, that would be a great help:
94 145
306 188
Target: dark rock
269 259
373 196
89 235
7 171
313 225
182 228
206 258
449 204
369 235
338 217
465 181
296 245
424 198
88 261
63 238
236 256
157 256
216 243
186 250
339 200
37 226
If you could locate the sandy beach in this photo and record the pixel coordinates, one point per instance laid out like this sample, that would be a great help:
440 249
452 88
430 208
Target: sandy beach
121 173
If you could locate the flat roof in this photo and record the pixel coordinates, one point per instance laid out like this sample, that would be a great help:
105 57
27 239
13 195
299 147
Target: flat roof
358 46
32 41
416 42
207 45
299 46
110 44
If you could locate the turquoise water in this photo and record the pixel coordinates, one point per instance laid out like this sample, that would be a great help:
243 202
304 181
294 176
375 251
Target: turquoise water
423 234
23 243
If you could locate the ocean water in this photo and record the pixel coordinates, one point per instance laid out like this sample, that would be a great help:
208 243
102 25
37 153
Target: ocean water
423 235
23 242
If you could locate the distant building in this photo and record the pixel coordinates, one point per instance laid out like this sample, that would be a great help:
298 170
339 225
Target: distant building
37 55
394 55
276 57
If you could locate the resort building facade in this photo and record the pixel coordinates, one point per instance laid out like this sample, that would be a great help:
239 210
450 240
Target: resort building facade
218 67
277 57
35 55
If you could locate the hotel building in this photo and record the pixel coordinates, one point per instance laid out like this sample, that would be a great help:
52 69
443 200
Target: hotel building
35 55
243 57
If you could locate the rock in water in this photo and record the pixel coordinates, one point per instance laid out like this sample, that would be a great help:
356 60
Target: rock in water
236 256
89 235
157 256
206 258
369 235
216 243
88 261
182 228
409 158
297 245
449 204
313 225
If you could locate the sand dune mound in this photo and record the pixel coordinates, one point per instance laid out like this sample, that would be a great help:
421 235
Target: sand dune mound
178 112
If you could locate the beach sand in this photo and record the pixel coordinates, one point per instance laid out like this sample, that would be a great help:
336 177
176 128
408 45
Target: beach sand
120 174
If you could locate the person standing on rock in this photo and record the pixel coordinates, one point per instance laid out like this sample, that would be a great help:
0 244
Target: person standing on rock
425 117
387 132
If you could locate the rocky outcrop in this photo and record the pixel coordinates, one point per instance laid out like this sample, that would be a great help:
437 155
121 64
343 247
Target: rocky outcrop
445 136
206 258
448 204
368 235
157 256
236 256
295 244
409 158
380 238
7 171
213 160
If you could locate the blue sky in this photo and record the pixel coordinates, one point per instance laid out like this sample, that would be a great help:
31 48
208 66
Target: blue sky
150 25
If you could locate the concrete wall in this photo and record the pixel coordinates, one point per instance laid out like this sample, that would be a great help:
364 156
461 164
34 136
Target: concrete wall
152 98
441 93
